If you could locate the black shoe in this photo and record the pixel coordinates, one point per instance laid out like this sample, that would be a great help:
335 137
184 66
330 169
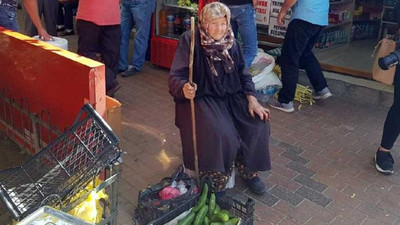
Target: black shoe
256 186
129 72
110 92
60 29
67 33
384 162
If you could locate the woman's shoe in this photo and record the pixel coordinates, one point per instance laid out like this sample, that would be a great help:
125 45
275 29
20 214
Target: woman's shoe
256 186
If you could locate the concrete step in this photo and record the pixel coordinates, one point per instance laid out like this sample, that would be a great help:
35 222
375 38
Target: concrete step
358 90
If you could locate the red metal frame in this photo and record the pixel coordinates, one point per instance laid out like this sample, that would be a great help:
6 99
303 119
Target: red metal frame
163 49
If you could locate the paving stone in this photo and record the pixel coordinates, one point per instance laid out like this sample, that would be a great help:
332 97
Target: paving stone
313 196
266 199
290 148
300 168
286 195
315 185
295 157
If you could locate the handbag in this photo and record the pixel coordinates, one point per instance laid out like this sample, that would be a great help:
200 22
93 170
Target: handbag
386 46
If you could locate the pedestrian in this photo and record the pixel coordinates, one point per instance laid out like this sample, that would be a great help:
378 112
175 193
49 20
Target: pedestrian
8 16
65 17
99 36
48 9
243 22
232 127
134 13
308 19
383 159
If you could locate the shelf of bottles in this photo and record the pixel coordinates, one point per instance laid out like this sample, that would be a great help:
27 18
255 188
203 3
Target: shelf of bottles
173 20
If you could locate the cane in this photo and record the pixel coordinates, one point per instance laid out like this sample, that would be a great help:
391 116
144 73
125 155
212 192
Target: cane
196 161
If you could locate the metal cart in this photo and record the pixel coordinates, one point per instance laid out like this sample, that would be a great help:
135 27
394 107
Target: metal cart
64 167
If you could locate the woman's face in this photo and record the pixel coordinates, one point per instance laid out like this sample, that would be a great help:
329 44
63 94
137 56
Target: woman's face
217 28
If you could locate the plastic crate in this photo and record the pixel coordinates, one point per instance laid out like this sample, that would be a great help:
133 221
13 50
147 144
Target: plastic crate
242 209
63 167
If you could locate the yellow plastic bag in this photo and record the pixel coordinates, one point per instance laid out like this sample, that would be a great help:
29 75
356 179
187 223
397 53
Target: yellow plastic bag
90 210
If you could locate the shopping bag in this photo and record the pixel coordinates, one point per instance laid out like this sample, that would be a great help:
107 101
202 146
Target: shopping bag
384 48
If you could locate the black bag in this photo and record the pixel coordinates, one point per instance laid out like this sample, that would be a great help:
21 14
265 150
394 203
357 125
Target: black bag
150 207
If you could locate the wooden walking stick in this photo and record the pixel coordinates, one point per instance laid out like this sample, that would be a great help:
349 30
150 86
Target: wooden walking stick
196 160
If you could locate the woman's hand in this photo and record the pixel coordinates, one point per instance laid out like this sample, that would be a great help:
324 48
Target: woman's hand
189 91
256 108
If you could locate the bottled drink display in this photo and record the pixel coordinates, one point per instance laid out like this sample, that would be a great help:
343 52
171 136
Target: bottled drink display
170 24
331 37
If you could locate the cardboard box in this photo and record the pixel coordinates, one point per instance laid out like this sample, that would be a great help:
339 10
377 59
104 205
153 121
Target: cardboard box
113 115
262 12
275 30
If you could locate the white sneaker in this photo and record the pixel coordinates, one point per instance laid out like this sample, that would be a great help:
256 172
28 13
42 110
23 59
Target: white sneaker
323 94
286 107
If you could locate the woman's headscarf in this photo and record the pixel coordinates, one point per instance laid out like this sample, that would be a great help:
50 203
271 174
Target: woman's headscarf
216 50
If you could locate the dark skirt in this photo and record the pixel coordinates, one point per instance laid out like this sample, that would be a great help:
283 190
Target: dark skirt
223 127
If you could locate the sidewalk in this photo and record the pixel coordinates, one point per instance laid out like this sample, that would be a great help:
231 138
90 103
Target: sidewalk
322 158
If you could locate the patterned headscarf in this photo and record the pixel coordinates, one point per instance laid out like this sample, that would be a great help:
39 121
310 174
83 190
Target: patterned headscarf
216 50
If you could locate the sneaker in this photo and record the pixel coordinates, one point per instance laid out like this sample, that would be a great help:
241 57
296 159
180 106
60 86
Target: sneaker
384 162
323 94
129 72
256 186
286 107
68 32
110 92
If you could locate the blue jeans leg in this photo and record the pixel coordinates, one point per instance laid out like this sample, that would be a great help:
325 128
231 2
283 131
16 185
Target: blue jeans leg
141 11
126 28
8 19
243 21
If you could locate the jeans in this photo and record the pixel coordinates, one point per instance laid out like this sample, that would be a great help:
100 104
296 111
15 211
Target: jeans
138 13
297 53
94 39
391 128
243 21
8 18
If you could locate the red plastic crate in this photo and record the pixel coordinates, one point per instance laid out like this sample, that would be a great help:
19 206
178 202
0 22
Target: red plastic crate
163 51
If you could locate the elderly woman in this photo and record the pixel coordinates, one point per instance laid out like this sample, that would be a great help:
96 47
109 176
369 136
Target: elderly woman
232 127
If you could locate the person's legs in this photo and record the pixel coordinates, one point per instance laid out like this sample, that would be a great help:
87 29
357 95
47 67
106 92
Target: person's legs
296 39
29 27
69 15
88 39
50 11
109 41
126 28
60 17
141 11
309 62
246 25
383 158
8 18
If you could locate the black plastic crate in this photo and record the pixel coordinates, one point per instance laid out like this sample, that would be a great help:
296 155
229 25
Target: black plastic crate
60 169
242 209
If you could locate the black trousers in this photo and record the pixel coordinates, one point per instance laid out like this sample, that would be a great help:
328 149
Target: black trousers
297 53
66 16
391 128
49 10
104 40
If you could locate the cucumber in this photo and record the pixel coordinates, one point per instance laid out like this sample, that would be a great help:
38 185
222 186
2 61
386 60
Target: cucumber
188 219
200 216
203 198
233 221
217 209
211 206
220 217
206 221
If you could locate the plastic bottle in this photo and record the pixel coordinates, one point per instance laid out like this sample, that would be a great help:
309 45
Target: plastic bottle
163 22
170 24
186 22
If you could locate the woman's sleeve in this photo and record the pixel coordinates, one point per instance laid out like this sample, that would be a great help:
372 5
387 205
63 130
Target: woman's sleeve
179 73
245 77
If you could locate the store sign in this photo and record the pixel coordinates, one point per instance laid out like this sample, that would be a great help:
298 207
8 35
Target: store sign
276 6
275 30
262 12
